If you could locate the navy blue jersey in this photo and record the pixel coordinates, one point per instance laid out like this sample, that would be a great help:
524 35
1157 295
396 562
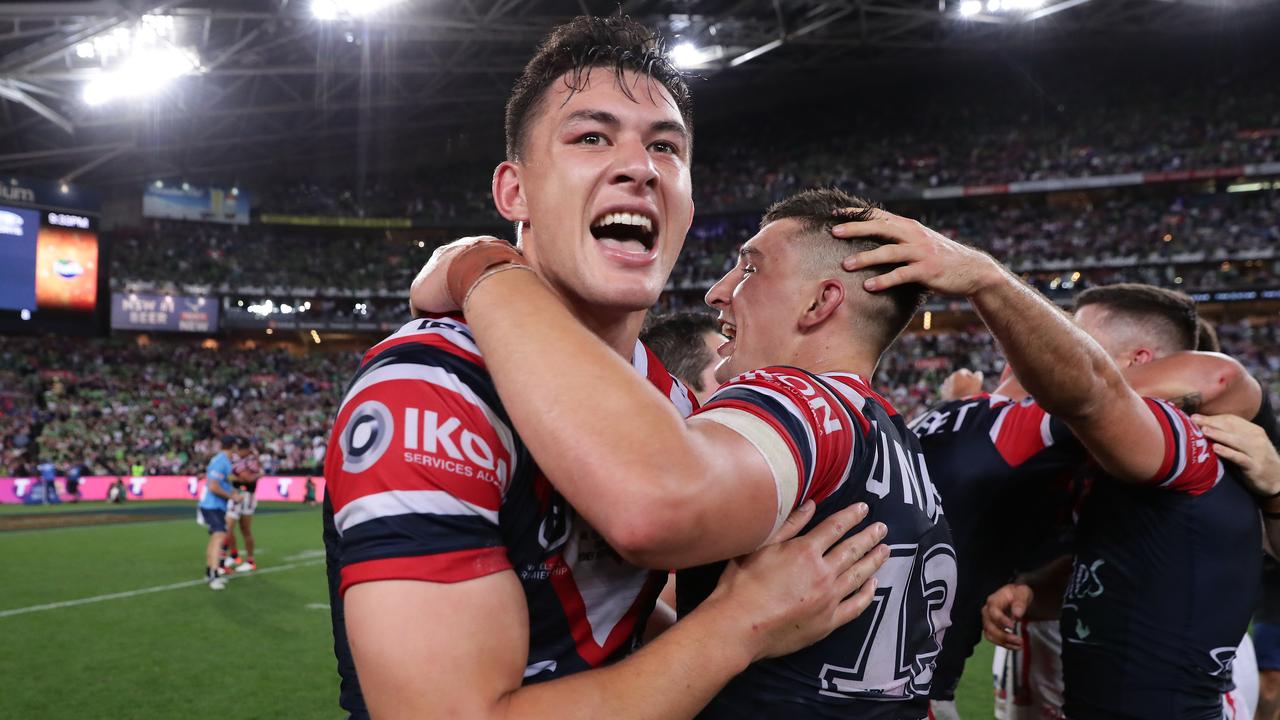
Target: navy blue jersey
1001 468
427 480
846 445
1165 578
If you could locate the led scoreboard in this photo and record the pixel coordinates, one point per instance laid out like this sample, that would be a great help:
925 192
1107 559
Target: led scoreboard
52 267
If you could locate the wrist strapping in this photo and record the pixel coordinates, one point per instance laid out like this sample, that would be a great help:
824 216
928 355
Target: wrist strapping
482 260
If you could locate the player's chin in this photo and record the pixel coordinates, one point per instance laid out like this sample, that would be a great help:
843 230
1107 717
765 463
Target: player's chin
629 291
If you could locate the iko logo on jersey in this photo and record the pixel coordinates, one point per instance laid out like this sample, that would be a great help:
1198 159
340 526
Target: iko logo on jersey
366 436
446 445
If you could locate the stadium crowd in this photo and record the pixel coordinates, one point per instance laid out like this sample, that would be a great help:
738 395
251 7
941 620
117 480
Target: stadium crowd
112 404
1200 242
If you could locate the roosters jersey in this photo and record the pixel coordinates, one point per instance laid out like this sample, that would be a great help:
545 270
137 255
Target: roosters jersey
428 480
1165 578
841 443
1002 469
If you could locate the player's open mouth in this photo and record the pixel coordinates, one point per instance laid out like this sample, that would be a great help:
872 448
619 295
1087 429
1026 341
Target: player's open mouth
628 232
730 331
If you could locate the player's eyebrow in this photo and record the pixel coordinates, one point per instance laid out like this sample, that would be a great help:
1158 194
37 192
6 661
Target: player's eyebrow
749 253
600 116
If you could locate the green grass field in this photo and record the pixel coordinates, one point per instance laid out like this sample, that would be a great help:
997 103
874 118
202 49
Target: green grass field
150 640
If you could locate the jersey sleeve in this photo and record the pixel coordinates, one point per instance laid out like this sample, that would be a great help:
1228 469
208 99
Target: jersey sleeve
216 471
804 432
1022 430
417 468
1189 465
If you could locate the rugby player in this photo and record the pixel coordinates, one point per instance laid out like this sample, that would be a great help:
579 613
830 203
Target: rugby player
686 344
773 436
213 508
245 473
465 584
1166 569
1003 470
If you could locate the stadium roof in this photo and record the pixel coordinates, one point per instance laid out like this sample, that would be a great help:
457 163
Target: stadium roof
266 84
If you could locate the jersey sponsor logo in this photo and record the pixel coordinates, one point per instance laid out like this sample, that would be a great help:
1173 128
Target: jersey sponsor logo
366 436
1085 583
446 445
555 527
820 406
1223 658
936 421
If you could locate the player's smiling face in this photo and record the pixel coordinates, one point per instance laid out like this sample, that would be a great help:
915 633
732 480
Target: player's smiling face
604 181
760 302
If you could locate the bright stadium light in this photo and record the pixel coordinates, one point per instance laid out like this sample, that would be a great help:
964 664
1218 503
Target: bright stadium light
686 55
969 8
326 10
144 73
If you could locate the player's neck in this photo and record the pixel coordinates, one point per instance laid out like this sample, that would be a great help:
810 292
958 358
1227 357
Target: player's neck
618 330
827 352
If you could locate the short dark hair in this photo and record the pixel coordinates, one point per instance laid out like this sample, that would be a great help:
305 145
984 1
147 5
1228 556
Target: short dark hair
586 42
1207 341
1167 314
677 341
817 210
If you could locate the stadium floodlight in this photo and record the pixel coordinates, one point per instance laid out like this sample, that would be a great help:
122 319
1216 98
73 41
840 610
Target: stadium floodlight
326 10
686 55
969 8
144 73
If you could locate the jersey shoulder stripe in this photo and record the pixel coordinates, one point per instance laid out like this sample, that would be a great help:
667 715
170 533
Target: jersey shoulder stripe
449 332
648 365
1189 464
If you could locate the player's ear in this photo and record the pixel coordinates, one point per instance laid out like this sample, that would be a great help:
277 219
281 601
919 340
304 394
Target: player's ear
827 298
1142 356
508 192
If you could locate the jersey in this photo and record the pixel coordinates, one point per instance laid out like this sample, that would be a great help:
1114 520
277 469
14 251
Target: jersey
47 472
428 480
845 444
219 471
1002 469
1165 578
248 463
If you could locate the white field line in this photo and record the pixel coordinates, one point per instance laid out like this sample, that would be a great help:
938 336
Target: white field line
145 591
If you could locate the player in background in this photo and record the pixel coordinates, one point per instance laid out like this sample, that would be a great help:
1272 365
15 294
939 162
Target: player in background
686 344
213 508
74 473
467 586
1004 470
48 473
1149 630
245 472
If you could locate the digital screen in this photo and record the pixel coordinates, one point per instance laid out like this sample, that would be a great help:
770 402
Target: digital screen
50 271
66 270
19 230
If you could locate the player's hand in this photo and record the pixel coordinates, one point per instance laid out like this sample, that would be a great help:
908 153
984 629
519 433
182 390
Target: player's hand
429 293
795 590
925 257
1241 442
1006 608
961 384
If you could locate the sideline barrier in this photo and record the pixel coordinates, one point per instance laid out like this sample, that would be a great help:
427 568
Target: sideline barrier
291 488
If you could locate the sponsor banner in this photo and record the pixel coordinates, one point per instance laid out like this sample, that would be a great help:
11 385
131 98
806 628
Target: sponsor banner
1099 181
174 313
203 204
334 221
291 488
67 269
19 229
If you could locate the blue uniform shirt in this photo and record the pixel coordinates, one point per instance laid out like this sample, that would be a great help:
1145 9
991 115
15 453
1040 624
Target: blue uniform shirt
219 471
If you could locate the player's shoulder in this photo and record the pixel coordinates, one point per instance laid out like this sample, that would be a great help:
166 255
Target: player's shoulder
646 362
413 340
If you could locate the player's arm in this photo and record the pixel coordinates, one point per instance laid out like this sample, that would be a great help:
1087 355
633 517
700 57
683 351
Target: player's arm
1204 382
1035 595
621 454
458 650
1069 374
213 482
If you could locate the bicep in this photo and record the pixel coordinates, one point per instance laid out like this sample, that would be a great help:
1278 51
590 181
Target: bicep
1124 437
438 650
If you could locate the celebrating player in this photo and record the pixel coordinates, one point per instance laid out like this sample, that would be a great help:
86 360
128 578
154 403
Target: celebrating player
466 585
1165 525
770 438
686 344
